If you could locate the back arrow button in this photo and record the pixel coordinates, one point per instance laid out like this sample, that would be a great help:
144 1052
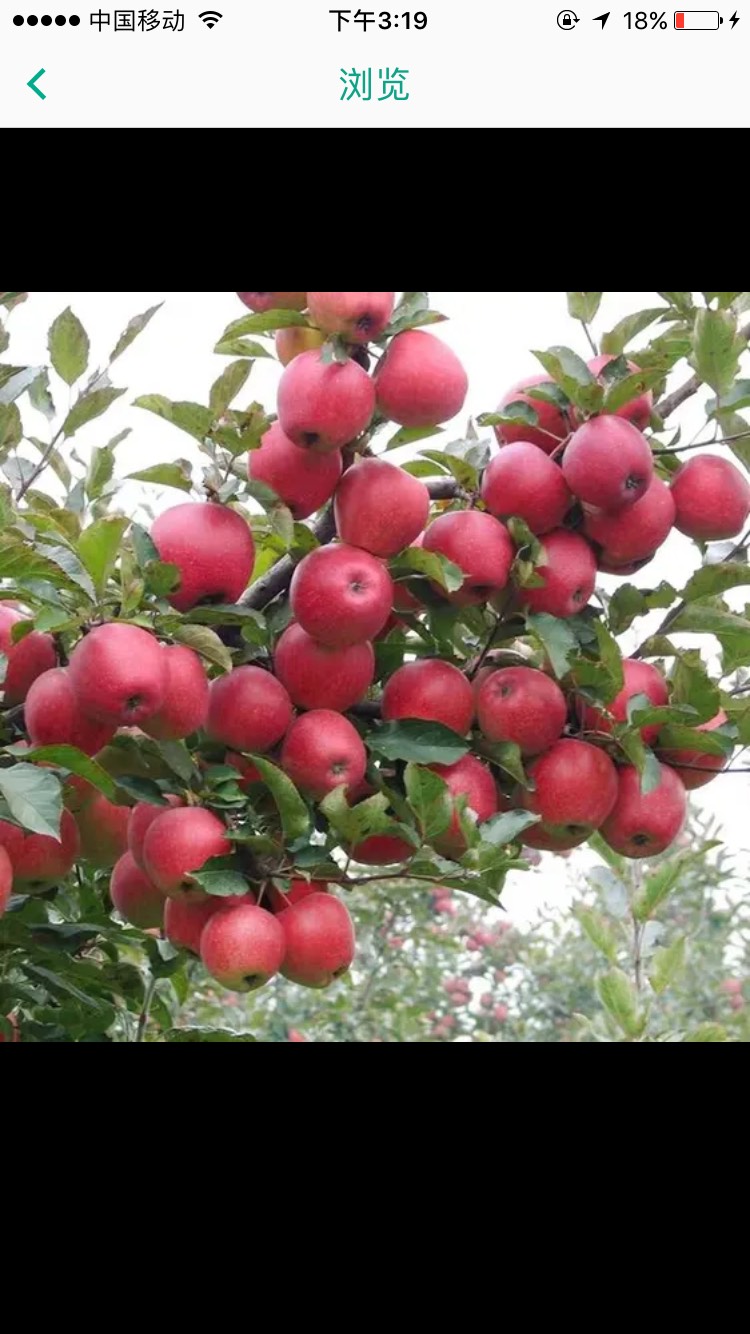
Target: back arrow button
601 18
32 84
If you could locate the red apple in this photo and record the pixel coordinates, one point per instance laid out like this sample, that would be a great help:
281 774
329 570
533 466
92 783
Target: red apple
322 751
608 463
260 302
186 697
291 342
212 547
380 507
551 427
712 499
38 860
242 946
643 824
697 767
420 380
575 790
632 535
341 595
133 895
569 572
638 410
382 850
640 678
54 717
522 480
248 773
27 659
178 842
522 705
184 922
119 674
103 829
468 778
360 317
248 709
324 405
302 479
6 879
142 816
297 891
432 689
318 676
479 545
319 940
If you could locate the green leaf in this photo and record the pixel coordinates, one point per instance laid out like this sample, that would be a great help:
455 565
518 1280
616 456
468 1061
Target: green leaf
573 376
507 755
295 818
222 884
415 560
143 546
666 964
268 322
161 577
628 388
659 885
414 739
713 579
512 414
412 312
68 345
628 602
190 417
241 347
178 474
102 466
506 827
355 823
676 736
67 561
557 638
8 373
716 349
74 760
11 427
615 342
707 1033
134 328
204 1035
34 798
408 435
282 524
226 388
682 302
712 618
583 306
465 473
429 800
40 396
206 642
599 932
731 424
735 398
723 299
618 997
99 546
89 406
691 685
640 756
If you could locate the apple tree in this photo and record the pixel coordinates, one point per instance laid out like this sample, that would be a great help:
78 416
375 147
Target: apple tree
322 671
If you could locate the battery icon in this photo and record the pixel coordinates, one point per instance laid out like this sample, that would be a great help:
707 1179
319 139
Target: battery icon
697 19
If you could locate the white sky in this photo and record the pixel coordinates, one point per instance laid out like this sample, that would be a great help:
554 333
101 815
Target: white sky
492 332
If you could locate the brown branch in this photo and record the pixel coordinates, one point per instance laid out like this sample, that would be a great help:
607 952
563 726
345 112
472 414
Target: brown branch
703 444
668 405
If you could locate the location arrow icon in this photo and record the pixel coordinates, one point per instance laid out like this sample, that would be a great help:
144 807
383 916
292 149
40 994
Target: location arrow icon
601 18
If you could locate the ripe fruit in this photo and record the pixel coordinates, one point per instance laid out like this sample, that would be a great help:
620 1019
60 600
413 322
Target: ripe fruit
633 534
479 545
260 302
297 891
212 546
575 790
248 709
697 767
323 406
712 499
420 380
247 771
638 410
242 946
133 895
54 717
341 595
185 698
291 342
430 688
640 678
380 507
103 828
319 940
468 778
142 816
608 463
6 879
569 574
521 480
119 674
40 861
382 850
302 479
360 317
178 842
642 824
27 659
322 751
318 676
184 922
523 705
551 427
15 1034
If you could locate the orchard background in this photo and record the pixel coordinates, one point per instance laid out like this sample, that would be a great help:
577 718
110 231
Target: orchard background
593 946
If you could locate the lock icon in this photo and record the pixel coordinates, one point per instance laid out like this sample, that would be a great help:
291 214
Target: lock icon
567 20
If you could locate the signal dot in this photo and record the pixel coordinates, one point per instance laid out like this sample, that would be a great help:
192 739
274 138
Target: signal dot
60 20
74 20
18 20
32 20
46 20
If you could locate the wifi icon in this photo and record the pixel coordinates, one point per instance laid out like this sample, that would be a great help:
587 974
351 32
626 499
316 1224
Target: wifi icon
210 17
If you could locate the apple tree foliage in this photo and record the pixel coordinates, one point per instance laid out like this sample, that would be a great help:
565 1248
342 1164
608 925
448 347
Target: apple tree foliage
71 969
